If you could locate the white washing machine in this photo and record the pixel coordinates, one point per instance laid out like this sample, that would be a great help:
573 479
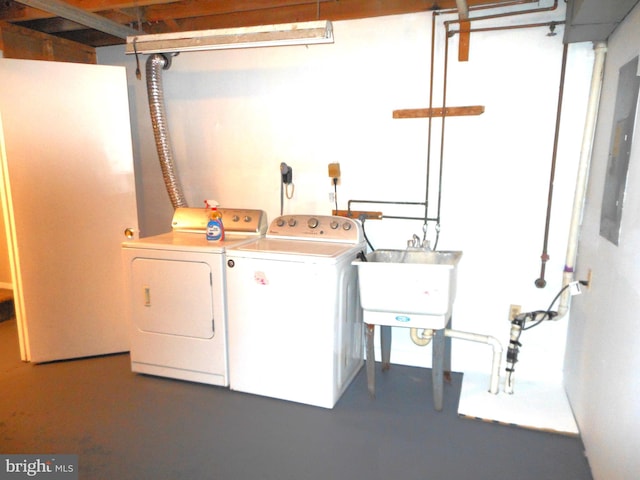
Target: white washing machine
296 329
176 288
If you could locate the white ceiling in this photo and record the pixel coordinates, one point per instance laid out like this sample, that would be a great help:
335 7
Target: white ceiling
594 20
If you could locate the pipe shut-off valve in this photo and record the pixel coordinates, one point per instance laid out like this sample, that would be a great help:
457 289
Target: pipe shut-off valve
517 326
512 351
528 320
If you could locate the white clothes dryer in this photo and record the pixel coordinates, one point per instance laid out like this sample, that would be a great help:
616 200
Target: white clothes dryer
176 295
296 330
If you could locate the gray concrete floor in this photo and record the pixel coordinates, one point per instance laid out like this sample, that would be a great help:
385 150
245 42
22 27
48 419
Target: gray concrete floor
128 426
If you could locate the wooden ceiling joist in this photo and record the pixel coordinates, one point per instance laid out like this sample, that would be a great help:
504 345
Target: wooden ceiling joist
24 43
83 17
119 17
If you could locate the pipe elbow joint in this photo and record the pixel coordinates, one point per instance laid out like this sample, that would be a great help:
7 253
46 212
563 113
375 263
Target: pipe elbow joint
421 339
495 343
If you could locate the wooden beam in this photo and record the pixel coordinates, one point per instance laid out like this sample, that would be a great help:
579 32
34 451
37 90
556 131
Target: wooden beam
347 9
358 214
91 20
15 12
24 43
464 38
437 112
163 16
238 13
465 33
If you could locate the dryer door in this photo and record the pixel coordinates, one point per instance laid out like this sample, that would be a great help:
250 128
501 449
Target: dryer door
172 297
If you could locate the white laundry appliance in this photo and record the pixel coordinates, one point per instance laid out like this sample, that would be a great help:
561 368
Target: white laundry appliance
176 288
296 330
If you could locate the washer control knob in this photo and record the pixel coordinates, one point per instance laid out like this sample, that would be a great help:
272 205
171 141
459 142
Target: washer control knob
235 218
347 226
280 222
292 222
247 218
334 224
313 222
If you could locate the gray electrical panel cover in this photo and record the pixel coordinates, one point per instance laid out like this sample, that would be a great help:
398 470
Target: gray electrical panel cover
619 151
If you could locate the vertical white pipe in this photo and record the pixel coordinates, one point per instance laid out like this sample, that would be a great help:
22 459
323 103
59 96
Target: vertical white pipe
463 9
583 174
579 197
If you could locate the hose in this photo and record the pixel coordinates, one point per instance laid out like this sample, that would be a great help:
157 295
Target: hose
155 64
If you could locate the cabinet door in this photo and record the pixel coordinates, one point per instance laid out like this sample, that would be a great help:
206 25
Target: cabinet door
68 197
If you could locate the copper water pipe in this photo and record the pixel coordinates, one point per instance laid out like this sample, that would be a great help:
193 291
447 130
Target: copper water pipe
444 116
551 24
444 93
540 282
474 8
507 14
426 199
433 34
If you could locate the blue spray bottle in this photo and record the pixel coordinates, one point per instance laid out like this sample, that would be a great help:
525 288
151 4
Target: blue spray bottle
215 228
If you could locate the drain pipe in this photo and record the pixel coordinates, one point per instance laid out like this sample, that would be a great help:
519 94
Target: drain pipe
425 337
155 64
579 198
421 339
582 181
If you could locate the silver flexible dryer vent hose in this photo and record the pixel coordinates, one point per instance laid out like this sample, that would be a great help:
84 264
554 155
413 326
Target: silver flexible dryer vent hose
155 64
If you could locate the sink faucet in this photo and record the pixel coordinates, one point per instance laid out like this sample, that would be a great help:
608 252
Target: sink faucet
415 243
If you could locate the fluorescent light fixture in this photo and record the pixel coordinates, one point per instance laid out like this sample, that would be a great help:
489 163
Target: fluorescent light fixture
307 33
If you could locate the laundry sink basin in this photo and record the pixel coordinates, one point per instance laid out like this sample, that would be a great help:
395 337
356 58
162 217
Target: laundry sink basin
408 288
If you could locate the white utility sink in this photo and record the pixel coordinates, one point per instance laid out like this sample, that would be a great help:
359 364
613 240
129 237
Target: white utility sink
408 288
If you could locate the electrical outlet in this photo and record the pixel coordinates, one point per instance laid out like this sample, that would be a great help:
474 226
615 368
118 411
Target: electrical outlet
514 310
334 170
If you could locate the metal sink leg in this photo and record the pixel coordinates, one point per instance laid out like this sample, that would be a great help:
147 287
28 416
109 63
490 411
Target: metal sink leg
437 368
371 360
385 346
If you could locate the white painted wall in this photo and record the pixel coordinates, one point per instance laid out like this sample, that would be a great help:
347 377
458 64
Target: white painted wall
603 352
235 115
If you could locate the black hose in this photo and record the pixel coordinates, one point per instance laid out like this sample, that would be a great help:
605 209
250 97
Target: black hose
362 218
